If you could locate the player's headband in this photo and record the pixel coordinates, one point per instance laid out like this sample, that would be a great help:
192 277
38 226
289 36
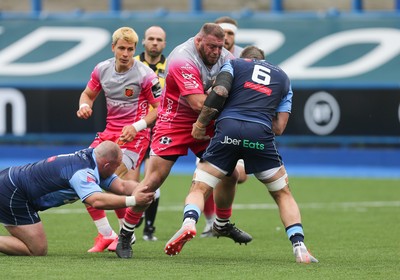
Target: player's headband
229 26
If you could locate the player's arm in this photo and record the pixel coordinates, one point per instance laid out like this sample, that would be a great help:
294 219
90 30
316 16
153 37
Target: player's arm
151 116
186 81
86 100
283 110
106 201
129 132
196 101
122 193
142 194
213 104
279 122
151 119
122 187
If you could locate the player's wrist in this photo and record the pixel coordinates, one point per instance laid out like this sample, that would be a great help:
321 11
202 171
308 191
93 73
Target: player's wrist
140 125
130 201
83 105
199 125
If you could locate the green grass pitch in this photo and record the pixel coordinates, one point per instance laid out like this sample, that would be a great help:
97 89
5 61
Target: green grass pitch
351 226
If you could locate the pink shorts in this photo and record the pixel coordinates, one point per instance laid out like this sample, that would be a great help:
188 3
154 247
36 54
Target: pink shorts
177 141
133 152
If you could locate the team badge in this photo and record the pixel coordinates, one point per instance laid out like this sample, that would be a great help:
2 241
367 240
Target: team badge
89 179
129 92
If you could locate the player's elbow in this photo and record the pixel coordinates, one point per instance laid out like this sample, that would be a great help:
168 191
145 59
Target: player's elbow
96 201
98 204
196 106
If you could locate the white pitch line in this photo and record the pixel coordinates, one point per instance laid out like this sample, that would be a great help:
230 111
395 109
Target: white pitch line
268 206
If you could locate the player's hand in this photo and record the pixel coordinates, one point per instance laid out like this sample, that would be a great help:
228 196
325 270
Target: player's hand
143 196
199 133
84 112
128 134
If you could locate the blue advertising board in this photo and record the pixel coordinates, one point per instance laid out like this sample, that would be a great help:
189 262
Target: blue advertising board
344 71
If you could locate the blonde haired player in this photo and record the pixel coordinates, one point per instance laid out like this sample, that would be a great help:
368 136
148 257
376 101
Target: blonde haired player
130 88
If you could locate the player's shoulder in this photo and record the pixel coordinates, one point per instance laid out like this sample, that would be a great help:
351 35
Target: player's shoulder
226 55
83 158
142 68
105 63
276 68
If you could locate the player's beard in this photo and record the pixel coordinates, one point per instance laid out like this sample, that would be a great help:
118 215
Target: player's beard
209 62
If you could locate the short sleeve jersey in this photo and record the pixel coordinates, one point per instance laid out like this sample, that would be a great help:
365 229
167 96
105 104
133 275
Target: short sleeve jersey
158 68
57 180
259 90
128 95
185 74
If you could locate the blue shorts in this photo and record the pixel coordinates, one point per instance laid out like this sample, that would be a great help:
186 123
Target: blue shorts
15 208
252 142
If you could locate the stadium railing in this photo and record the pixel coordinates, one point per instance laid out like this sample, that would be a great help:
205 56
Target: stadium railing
196 7
115 8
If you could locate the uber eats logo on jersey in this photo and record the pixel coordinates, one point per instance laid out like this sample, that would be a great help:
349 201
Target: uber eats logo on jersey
243 142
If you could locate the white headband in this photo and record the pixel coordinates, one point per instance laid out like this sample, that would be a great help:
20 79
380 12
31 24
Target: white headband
229 26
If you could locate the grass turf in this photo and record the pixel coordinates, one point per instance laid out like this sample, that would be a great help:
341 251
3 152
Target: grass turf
350 226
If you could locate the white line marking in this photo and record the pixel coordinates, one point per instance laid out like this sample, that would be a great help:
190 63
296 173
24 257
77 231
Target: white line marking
268 206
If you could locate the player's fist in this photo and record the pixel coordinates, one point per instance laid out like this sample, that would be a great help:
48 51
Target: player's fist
199 132
144 197
84 111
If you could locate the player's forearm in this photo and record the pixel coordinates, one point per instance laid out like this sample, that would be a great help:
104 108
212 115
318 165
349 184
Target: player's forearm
106 201
207 114
279 123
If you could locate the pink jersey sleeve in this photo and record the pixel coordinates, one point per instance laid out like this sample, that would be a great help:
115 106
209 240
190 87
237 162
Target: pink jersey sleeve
183 79
151 88
186 77
94 83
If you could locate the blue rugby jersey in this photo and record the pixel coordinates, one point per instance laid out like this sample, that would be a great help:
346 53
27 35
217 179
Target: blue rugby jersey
259 90
60 179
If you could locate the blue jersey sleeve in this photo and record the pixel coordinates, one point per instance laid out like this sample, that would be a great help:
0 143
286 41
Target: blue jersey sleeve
85 183
286 103
106 183
227 67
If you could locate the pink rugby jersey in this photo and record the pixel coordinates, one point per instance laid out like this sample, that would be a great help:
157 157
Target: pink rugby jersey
185 74
128 95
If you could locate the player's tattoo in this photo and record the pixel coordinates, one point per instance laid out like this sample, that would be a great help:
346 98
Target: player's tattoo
207 115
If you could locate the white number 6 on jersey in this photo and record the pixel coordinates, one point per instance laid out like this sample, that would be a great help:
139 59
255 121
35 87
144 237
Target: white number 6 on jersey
261 75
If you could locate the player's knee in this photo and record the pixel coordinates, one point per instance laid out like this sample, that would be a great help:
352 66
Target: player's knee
39 251
205 177
274 185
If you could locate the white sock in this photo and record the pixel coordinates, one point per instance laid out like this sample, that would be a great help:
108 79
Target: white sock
221 222
210 220
188 221
104 227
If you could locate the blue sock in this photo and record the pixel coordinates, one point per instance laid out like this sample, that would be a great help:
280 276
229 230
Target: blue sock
191 211
295 233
